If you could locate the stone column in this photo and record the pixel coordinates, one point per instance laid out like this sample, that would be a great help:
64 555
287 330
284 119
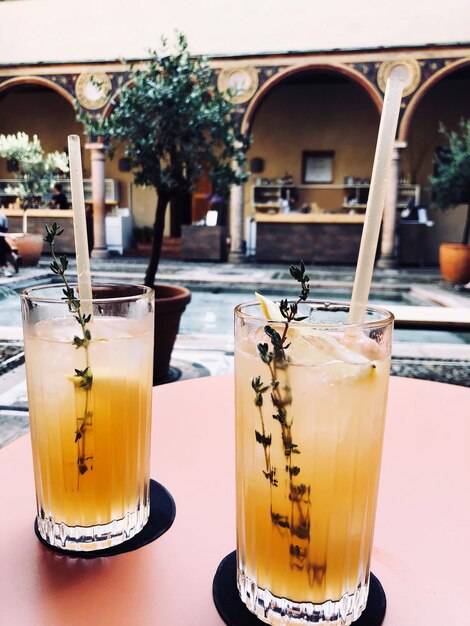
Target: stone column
389 222
100 250
236 254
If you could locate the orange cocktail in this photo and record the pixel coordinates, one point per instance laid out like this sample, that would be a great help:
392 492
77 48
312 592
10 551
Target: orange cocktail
90 442
309 445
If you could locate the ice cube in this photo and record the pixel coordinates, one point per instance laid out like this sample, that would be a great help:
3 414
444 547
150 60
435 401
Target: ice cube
310 347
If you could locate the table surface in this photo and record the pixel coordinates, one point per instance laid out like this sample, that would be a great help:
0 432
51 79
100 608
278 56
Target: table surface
422 539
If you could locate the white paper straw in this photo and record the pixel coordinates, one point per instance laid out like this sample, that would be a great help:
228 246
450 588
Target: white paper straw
79 225
376 200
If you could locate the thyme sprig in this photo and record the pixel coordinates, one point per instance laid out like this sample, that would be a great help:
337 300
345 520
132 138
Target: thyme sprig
83 379
289 311
297 521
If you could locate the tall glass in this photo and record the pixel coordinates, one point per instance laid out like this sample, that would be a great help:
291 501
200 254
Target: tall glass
90 412
310 423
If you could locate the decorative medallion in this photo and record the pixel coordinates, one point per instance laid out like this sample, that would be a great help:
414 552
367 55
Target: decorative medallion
241 82
93 90
410 68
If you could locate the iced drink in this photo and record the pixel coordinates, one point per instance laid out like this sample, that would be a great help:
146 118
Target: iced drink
91 442
309 444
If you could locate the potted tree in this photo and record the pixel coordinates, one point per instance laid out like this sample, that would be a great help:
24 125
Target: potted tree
451 187
35 174
175 126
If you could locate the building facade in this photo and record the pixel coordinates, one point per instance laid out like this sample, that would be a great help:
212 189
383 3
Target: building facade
313 118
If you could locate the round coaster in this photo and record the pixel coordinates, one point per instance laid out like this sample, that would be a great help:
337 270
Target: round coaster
162 515
234 612
174 373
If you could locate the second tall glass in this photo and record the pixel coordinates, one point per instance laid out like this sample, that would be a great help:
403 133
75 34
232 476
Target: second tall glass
309 421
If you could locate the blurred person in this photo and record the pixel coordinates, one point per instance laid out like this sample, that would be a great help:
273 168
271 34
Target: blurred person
290 202
59 199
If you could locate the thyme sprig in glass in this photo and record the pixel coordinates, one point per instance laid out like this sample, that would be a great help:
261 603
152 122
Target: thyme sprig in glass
296 521
83 379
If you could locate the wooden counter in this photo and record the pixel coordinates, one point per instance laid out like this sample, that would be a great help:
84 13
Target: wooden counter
203 243
118 226
313 237
310 218
35 219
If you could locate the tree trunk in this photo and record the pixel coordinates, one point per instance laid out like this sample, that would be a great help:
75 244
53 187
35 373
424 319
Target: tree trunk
157 241
466 232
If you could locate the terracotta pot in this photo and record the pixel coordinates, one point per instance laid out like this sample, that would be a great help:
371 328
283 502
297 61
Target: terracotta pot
454 260
29 246
170 303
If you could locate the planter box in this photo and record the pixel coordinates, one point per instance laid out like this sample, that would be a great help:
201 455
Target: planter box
412 243
204 243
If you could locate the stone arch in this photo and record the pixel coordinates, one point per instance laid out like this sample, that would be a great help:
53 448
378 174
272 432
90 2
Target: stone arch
37 80
405 124
348 72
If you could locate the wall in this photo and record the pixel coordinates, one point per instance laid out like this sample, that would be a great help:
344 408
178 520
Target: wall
43 113
144 203
333 116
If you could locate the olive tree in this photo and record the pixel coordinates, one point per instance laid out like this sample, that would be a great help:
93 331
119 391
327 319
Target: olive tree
451 184
175 126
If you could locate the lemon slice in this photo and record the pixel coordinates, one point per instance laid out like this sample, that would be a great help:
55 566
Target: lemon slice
312 346
331 347
270 308
336 363
76 380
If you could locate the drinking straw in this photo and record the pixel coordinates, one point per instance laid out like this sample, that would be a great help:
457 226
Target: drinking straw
376 200
79 225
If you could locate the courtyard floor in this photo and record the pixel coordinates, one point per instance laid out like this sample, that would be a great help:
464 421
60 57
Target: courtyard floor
204 346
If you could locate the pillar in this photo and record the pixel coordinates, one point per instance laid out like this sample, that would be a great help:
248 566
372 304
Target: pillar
100 249
236 254
389 222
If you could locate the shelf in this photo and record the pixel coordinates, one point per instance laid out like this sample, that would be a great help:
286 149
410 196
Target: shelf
266 197
324 186
310 218
400 205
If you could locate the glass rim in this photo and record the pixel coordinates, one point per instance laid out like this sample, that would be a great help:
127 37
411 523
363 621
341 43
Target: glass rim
388 316
30 295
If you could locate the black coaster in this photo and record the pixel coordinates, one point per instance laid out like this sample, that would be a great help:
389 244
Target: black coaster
174 373
162 515
234 612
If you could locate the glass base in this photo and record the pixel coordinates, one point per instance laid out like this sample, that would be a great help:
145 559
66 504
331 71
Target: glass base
284 612
88 538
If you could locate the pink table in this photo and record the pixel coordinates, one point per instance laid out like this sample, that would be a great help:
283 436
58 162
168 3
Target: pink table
422 543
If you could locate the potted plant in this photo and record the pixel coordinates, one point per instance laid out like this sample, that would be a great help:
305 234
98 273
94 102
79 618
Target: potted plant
35 173
451 187
175 126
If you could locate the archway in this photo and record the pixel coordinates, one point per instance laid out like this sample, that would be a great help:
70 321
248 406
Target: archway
443 99
39 107
321 109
